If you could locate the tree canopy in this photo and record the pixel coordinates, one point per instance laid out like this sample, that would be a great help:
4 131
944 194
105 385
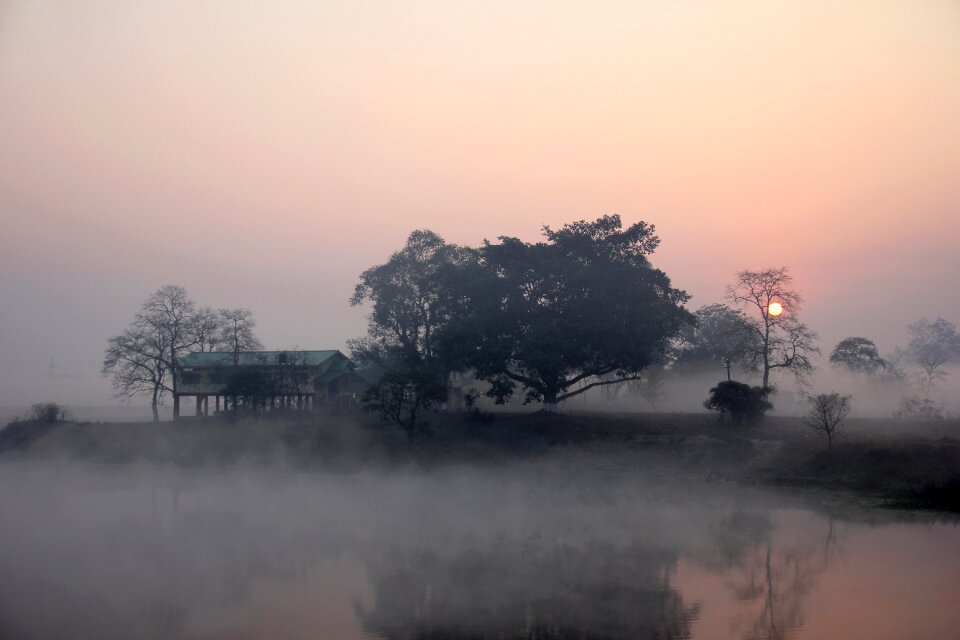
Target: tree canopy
932 345
583 309
411 302
858 355
719 336
580 309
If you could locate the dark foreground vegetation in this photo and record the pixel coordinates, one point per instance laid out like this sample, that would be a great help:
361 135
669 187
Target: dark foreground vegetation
877 462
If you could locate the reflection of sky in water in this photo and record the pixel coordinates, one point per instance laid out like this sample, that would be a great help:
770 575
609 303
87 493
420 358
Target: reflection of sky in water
538 551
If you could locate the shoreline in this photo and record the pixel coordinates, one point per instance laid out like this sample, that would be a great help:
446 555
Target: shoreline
878 464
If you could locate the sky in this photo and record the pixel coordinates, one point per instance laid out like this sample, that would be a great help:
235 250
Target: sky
263 155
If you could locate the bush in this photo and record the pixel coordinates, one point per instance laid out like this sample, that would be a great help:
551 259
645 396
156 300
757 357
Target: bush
738 403
401 396
48 412
916 408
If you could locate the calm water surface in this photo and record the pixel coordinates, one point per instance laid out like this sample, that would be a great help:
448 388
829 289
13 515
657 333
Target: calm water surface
543 550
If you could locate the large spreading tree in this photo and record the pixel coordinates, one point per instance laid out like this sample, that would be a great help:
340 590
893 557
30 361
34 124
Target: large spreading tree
412 302
584 308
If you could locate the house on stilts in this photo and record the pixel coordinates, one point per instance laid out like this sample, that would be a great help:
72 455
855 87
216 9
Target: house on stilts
267 380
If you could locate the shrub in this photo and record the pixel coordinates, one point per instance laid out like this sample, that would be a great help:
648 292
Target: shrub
738 403
48 412
916 408
401 396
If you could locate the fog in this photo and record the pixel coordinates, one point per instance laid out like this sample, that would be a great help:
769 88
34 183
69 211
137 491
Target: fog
685 392
264 157
557 548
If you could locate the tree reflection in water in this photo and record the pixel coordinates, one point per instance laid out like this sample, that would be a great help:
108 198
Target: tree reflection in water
593 591
777 575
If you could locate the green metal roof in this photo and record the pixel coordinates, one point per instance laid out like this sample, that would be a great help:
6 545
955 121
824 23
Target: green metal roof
335 370
253 358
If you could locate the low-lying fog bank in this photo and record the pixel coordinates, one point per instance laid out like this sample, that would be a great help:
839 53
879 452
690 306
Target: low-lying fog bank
880 462
555 546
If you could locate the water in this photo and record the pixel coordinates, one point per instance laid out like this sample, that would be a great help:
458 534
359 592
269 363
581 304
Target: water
540 550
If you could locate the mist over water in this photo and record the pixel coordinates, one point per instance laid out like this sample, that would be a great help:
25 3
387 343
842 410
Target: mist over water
555 548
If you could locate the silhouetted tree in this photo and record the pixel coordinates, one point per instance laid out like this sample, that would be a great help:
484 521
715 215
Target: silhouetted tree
169 312
826 414
143 358
412 302
235 332
203 327
137 364
48 412
784 342
586 305
719 335
932 345
402 395
858 355
738 403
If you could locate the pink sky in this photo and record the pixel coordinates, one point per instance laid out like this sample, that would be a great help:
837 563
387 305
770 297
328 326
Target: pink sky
263 155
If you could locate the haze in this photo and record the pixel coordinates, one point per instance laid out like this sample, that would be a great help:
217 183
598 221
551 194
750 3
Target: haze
263 156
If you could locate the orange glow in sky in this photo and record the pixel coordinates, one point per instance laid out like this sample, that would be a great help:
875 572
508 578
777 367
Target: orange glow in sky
264 156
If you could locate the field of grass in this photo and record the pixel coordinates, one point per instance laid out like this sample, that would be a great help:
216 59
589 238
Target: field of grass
878 462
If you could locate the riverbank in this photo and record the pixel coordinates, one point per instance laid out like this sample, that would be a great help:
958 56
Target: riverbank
877 462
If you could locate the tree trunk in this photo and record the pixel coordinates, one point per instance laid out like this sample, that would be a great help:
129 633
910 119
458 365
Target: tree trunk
550 403
153 405
766 351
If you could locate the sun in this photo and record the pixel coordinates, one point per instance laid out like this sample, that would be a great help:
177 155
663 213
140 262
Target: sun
775 308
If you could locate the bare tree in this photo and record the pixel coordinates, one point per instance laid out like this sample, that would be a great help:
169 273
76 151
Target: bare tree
136 361
827 413
143 360
784 342
236 332
169 313
205 329
932 345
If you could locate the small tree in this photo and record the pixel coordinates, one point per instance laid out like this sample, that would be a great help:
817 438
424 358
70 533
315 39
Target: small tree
738 403
718 336
401 396
827 413
858 355
48 412
932 345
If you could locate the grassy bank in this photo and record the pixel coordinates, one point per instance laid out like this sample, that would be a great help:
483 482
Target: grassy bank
880 462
